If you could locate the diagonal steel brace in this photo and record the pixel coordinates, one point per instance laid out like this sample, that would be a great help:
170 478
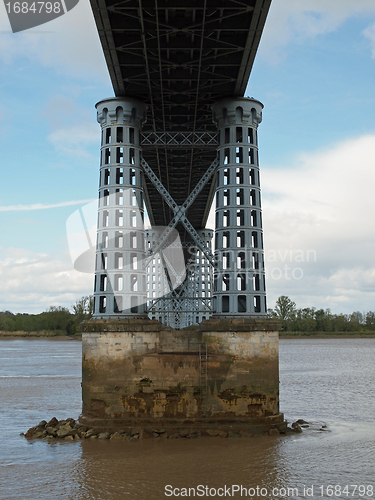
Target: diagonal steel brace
180 210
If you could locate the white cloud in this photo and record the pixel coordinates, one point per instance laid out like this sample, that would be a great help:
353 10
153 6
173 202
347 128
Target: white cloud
317 217
319 236
41 206
60 110
73 129
369 33
33 282
290 21
331 188
69 44
73 140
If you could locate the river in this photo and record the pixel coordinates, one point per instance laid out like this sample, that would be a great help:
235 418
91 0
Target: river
327 382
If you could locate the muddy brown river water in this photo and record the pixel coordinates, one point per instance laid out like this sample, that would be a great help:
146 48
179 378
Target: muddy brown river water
328 382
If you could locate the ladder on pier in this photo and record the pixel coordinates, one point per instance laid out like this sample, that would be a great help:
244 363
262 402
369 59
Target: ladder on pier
203 381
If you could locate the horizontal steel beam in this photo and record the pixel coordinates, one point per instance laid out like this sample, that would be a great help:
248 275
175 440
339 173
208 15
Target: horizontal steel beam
180 139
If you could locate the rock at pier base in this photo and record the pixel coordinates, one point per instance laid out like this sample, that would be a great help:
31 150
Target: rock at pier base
71 430
233 428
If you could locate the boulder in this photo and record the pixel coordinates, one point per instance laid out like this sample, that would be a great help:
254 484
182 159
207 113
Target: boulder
184 433
274 432
212 433
233 435
216 433
158 432
52 431
40 433
116 437
103 435
53 422
65 431
30 433
246 434
296 427
89 433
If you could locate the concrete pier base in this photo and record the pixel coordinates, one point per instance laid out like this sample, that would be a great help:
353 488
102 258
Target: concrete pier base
221 376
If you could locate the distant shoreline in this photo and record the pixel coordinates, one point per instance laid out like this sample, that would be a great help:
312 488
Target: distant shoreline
45 335
326 335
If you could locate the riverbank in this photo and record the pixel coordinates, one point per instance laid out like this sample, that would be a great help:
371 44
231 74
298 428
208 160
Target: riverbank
51 335
44 334
327 335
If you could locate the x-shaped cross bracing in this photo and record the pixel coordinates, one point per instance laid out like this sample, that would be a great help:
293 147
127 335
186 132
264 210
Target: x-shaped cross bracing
179 211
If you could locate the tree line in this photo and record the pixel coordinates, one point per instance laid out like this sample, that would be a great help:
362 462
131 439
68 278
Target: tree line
310 319
59 320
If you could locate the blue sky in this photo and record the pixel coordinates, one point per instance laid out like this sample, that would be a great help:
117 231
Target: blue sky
314 73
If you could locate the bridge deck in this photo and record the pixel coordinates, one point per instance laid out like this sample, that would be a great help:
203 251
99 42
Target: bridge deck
180 56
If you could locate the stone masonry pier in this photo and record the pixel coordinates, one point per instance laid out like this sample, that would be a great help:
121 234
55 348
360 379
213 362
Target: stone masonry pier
221 375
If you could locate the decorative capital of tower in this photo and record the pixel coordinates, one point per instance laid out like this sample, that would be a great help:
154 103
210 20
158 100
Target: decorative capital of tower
237 111
206 234
121 110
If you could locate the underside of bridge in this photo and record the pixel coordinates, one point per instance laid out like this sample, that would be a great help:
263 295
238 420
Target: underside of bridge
180 57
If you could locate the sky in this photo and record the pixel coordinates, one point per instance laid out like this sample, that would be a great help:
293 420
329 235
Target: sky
314 73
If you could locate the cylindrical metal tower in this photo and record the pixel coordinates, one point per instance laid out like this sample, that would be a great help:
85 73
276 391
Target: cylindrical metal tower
120 279
199 285
239 284
157 283
190 302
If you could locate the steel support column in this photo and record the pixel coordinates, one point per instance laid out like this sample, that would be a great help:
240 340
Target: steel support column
120 278
199 282
239 283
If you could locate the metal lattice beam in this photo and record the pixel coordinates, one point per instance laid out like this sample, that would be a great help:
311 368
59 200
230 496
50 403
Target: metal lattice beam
180 139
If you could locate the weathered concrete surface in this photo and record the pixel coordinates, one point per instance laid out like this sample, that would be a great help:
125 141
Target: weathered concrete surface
136 372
